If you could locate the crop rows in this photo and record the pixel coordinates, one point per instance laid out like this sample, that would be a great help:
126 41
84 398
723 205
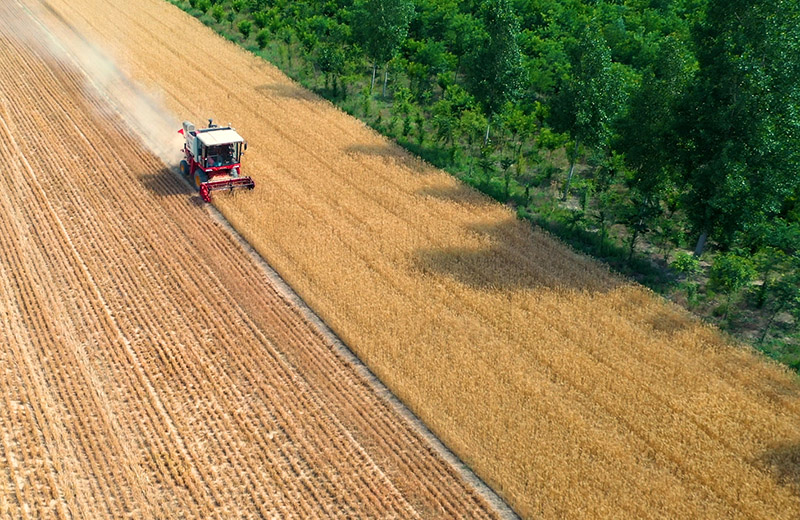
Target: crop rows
151 368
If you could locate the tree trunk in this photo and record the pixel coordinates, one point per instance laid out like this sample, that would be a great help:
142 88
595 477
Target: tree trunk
701 244
571 171
728 307
762 292
602 237
486 137
385 80
634 237
372 83
769 325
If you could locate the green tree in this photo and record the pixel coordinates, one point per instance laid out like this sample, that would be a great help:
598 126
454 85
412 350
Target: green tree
689 267
218 12
741 121
245 26
496 75
261 19
464 32
262 38
330 59
426 60
380 27
729 274
521 126
590 99
470 125
647 133
445 121
784 297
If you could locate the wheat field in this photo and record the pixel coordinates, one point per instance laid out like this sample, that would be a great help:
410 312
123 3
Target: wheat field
150 367
571 392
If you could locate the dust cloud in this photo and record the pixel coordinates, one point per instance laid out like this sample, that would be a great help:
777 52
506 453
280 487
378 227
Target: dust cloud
140 108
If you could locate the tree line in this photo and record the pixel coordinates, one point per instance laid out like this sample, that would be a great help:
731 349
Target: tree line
666 126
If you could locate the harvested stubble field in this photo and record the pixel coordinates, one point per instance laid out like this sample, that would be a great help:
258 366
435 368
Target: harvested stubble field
573 393
149 367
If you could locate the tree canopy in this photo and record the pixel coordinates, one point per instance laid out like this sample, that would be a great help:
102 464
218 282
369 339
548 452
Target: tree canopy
741 120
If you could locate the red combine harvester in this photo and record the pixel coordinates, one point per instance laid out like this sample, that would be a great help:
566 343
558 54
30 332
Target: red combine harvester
213 157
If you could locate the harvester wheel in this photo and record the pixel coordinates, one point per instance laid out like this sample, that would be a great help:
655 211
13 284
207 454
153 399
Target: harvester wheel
185 168
199 178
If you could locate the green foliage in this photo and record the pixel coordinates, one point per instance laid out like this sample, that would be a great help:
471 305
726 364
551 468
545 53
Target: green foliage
218 12
783 296
381 26
245 26
471 125
402 101
496 74
741 120
330 59
261 19
425 61
647 133
686 264
730 273
419 121
262 38
590 99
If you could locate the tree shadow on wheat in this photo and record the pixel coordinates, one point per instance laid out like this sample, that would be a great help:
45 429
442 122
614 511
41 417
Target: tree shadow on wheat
784 461
168 183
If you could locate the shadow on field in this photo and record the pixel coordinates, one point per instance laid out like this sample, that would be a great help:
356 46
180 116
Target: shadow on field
669 323
385 151
271 90
785 462
459 193
168 183
392 151
514 259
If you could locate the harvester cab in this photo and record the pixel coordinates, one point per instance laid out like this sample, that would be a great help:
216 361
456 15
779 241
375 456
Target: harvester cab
212 157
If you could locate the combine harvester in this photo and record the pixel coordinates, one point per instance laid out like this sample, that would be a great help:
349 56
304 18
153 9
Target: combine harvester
213 157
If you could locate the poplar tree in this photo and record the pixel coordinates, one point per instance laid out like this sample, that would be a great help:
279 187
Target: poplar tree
742 119
495 73
381 27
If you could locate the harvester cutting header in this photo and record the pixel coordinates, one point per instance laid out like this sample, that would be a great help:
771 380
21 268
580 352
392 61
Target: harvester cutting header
213 158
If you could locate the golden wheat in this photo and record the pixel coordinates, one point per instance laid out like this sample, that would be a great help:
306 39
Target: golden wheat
572 392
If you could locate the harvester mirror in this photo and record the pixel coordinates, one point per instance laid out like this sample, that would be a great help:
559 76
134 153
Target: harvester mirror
245 145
